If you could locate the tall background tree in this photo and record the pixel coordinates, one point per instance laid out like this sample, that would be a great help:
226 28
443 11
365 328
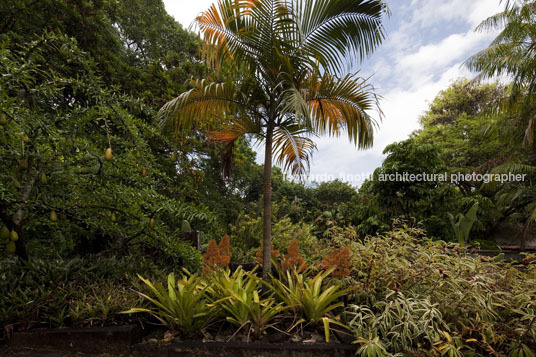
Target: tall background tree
278 63
79 77
512 54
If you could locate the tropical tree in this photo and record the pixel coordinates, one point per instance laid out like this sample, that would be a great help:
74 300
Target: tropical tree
62 190
512 54
277 63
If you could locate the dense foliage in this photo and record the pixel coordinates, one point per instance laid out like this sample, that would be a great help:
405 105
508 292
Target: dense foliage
463 132
92 195
403 294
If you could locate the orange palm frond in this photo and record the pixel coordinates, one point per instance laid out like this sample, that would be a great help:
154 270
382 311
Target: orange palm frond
293 150
231 130
224 27
201 105
342 104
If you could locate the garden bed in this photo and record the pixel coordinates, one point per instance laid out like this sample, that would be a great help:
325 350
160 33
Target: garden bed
115 339
126 340
397 293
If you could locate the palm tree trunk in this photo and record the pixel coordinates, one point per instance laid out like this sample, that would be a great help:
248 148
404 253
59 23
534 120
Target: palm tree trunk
267 218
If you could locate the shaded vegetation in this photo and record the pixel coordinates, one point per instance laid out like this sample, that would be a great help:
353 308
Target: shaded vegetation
94 196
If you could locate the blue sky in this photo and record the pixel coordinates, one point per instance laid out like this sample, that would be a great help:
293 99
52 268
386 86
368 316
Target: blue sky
426 45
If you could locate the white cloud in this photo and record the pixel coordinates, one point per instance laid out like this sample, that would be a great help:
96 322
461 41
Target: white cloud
402 110
432 12
439 54
418 68
482 10
185 11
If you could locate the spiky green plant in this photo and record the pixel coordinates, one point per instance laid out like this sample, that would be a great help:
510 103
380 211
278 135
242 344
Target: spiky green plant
310 298
238 295
181 307
371 347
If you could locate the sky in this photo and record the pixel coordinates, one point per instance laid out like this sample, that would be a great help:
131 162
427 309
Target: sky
427 42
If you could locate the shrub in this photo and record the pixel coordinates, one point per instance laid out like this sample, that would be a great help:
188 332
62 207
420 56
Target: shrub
57 292
400 320
419 296
309 299
245 236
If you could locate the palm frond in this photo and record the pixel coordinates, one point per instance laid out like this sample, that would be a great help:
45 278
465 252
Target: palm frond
531 209
293 149
225 28
200 105
332 31
342 104
514 168
510 51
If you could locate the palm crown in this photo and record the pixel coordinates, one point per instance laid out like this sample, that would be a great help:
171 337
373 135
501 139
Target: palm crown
277 59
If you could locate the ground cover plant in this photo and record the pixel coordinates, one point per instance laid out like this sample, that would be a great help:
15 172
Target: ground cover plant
56 292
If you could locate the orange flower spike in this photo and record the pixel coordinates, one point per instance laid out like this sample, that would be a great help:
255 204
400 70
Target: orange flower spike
340 259
217 255
258 254
293 258
224 252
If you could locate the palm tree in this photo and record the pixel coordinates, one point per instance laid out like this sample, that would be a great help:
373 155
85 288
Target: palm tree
276 60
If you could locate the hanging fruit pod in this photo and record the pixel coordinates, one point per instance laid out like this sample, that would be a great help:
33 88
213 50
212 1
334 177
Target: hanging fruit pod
4 233
108 154
10 248
14 236
23 164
